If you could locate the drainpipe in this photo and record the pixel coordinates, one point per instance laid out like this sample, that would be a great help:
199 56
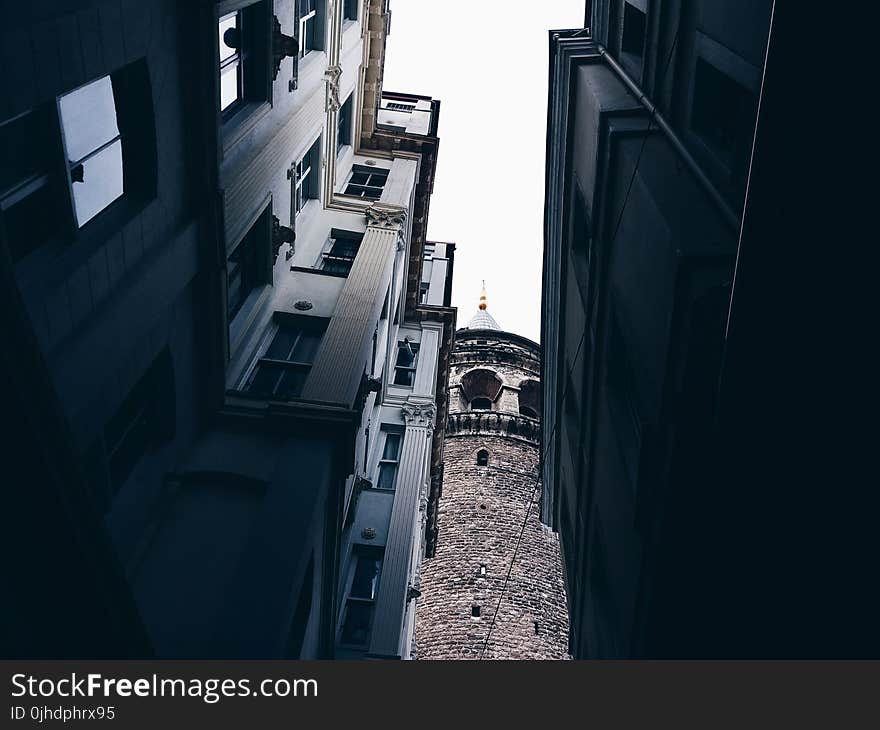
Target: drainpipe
731 218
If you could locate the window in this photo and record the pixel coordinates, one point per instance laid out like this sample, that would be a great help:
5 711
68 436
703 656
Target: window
343 125
528 411
248 265
32 193
366 182
67 161
341 249
475 611
145 419
483 460
281 372
242 54
350 9
389 461
481 404
363 587
92 146
632 42
309 29
231 57
423 291
405 365
723 115
306 180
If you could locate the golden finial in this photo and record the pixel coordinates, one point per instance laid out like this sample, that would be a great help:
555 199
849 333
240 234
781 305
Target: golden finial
483 296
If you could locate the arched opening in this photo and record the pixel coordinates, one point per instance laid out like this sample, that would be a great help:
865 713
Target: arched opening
482 457
530 398
480 388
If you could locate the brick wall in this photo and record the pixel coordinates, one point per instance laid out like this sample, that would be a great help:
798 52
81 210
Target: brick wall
481 514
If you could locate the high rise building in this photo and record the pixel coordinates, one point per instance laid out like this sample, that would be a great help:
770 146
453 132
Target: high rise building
493 587
232 334
651 117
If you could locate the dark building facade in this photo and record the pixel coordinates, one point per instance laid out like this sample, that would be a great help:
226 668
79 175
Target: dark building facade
488 516
651 117
212 256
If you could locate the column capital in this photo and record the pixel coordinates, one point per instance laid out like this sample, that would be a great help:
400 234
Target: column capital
383 215
419 414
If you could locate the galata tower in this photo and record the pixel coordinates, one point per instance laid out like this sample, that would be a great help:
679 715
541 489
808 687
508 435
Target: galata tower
494 586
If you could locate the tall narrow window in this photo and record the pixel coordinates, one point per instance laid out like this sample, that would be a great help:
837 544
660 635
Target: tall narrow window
306 179
363 587
67 161
231 57
366 182
143 420
243 51
32 188
341 249
405 365
350 9
281 372
308 27
483 460
389 462
423 291
343 125
248 265
93 147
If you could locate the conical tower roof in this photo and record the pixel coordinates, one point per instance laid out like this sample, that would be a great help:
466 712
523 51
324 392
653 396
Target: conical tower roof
482 320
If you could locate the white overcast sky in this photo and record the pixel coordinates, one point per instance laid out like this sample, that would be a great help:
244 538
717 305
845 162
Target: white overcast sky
486 60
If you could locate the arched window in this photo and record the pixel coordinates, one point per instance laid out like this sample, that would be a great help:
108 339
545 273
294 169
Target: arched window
481 404
530 398
482 457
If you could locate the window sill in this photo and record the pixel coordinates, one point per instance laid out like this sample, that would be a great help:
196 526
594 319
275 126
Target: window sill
242 122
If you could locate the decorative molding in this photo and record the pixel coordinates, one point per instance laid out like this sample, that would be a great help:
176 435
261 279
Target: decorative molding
368 533
303 305
389 217
331 75
419 414
493 422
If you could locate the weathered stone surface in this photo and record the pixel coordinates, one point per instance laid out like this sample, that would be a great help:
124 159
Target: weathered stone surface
481 516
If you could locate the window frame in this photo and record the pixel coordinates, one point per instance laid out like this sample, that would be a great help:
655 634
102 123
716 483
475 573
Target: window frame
280 321
344 124
367 553
384 463
330 254
256 77
303 189
374 190
47 171
259 236
412 369
314 16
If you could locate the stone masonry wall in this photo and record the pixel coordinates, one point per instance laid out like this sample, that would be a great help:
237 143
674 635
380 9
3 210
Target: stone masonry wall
480 516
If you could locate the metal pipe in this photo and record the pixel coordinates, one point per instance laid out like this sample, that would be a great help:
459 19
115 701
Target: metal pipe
727 213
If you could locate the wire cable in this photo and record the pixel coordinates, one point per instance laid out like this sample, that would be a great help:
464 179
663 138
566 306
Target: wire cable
574 363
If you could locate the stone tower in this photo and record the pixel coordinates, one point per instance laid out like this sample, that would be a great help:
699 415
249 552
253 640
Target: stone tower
490 485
